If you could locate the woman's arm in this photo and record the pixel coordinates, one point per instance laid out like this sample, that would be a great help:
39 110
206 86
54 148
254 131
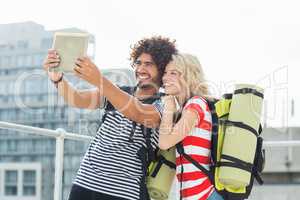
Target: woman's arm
169 134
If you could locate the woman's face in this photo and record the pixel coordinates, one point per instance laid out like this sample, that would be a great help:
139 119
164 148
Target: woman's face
172 80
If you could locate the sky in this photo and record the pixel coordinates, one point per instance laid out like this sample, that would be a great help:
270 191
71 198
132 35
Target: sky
238 41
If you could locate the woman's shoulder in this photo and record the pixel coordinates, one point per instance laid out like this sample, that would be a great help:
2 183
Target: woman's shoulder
198 100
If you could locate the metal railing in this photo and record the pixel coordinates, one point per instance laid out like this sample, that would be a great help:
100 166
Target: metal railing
61 135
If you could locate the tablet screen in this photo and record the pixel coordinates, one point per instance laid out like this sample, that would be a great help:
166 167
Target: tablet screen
70 46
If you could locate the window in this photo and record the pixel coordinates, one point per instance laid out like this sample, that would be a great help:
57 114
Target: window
3 89
50 146
46 43
6 61
11 183
40 97
2 145
11 146
38 59
29 180
20 180
31 87
20 60
22 44
12 61
27 61
3 47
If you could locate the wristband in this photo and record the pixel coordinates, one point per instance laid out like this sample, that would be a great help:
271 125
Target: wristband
59 80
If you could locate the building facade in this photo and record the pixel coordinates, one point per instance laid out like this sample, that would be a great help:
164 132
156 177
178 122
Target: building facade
28 97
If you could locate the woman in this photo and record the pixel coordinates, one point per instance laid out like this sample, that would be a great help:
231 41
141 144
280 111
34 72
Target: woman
187 91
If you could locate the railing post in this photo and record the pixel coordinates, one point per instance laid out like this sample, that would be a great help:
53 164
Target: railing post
59 164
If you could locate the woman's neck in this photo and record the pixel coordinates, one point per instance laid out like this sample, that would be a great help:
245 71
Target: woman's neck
182 98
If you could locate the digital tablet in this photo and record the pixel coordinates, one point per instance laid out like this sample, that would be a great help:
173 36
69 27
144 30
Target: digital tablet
69 47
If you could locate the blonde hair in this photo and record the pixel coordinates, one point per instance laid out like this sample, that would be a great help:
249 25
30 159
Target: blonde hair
193 74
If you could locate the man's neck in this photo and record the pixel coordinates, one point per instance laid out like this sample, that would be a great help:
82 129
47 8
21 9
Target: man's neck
145 92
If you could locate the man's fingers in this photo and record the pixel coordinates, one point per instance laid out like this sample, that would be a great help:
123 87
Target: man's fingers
84 58
54 56
48 65
81 59
53 64
52 60
84 61
77 73
87 59
78 69
51 51
81 64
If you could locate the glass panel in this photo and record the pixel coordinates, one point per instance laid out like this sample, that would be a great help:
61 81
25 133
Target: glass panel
11 180
29 177
29 180
11 190
29 190
11 176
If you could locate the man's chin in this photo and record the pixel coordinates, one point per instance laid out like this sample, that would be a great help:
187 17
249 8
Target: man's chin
146 85
143 86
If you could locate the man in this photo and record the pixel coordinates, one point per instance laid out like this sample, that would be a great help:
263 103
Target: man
112 169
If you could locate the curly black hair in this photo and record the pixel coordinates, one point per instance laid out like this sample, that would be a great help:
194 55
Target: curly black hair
160 48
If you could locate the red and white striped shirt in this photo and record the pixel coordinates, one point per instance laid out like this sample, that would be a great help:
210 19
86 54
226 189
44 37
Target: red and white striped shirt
195 184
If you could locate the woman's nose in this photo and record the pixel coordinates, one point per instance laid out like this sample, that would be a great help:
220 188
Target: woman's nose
165 78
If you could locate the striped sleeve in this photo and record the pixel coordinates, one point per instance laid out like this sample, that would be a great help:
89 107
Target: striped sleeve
159 106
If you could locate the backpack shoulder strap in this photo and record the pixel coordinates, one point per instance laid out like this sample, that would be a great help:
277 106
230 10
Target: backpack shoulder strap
127 89
109 107
215 129
180 150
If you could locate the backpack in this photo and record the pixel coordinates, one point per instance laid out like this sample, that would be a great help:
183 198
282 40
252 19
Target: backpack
220 111
161 174
146 154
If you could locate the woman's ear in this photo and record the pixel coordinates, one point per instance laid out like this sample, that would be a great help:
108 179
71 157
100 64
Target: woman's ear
182 81
185 86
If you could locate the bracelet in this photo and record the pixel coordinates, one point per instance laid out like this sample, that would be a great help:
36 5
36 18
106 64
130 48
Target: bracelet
59 80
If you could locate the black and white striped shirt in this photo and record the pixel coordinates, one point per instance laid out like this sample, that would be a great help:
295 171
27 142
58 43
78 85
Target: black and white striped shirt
111 164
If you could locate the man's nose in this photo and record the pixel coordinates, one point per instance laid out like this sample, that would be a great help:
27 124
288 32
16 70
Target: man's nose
140 68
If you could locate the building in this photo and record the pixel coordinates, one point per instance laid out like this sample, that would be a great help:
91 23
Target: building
28 97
